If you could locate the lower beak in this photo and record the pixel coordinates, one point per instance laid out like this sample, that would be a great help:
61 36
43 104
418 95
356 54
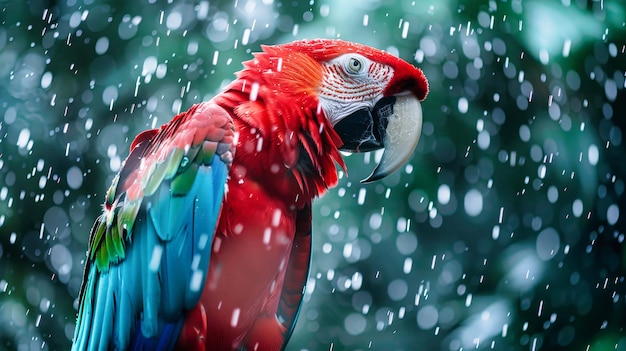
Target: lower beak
395 124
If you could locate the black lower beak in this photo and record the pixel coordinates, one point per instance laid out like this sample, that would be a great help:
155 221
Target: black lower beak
395 124
364 129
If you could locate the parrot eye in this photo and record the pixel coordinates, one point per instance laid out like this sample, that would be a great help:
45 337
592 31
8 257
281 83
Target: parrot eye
354 65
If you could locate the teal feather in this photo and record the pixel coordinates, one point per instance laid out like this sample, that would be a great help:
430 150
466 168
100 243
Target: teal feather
159 216
150 285
99 313
124 314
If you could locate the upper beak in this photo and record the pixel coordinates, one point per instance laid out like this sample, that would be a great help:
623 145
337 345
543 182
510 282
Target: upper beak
395 124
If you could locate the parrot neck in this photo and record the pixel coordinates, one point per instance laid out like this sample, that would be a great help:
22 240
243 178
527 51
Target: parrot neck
284 143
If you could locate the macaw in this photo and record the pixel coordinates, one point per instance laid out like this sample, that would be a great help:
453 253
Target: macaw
204 242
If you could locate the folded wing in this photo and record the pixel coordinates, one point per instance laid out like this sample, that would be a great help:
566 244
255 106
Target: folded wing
150 249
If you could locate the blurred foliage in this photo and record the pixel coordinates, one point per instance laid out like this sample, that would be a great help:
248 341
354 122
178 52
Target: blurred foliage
505 231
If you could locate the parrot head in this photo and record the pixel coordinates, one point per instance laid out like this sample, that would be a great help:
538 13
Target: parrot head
369 97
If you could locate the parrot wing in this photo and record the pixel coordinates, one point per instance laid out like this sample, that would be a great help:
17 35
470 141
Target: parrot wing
296 274
149 251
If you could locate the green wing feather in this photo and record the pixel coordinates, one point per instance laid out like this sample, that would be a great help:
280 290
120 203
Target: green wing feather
165 198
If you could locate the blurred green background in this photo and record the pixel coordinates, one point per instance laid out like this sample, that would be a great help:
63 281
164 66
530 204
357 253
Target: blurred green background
504 232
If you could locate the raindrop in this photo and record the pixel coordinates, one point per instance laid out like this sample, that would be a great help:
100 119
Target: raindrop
202 10
547 244
484 19
102 45
567 45
267 235
524 132
471 49
541 171
42 182
499 47
406 243
254 91
573 80
46 80
450 69
402 224
23 138
74 177
109 95
355 323
161 70
397 289
356 281
245 37
149 65
234 319
610 89
155 260
483 140
174 20
554 111
10 115
427 317
324 10
443 194
593 154
361 196
428 46
577 207
195 283
463 105
61 259
75 19
544 56
553 194
375 221
473 203
495 232
408 265
419 56
327 248
405 29
192 47
612 214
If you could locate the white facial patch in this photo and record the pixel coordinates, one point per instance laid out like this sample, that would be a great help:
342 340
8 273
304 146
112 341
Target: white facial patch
351 82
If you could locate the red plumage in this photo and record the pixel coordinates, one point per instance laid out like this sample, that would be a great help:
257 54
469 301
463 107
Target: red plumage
285 156
151 281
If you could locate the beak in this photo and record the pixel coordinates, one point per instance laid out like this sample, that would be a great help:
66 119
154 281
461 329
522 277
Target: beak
395 124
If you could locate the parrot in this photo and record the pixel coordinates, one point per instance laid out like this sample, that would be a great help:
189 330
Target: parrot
204 240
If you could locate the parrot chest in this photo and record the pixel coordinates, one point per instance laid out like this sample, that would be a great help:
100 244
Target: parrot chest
248 262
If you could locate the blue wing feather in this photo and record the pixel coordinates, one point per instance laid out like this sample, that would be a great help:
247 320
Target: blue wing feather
138 299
